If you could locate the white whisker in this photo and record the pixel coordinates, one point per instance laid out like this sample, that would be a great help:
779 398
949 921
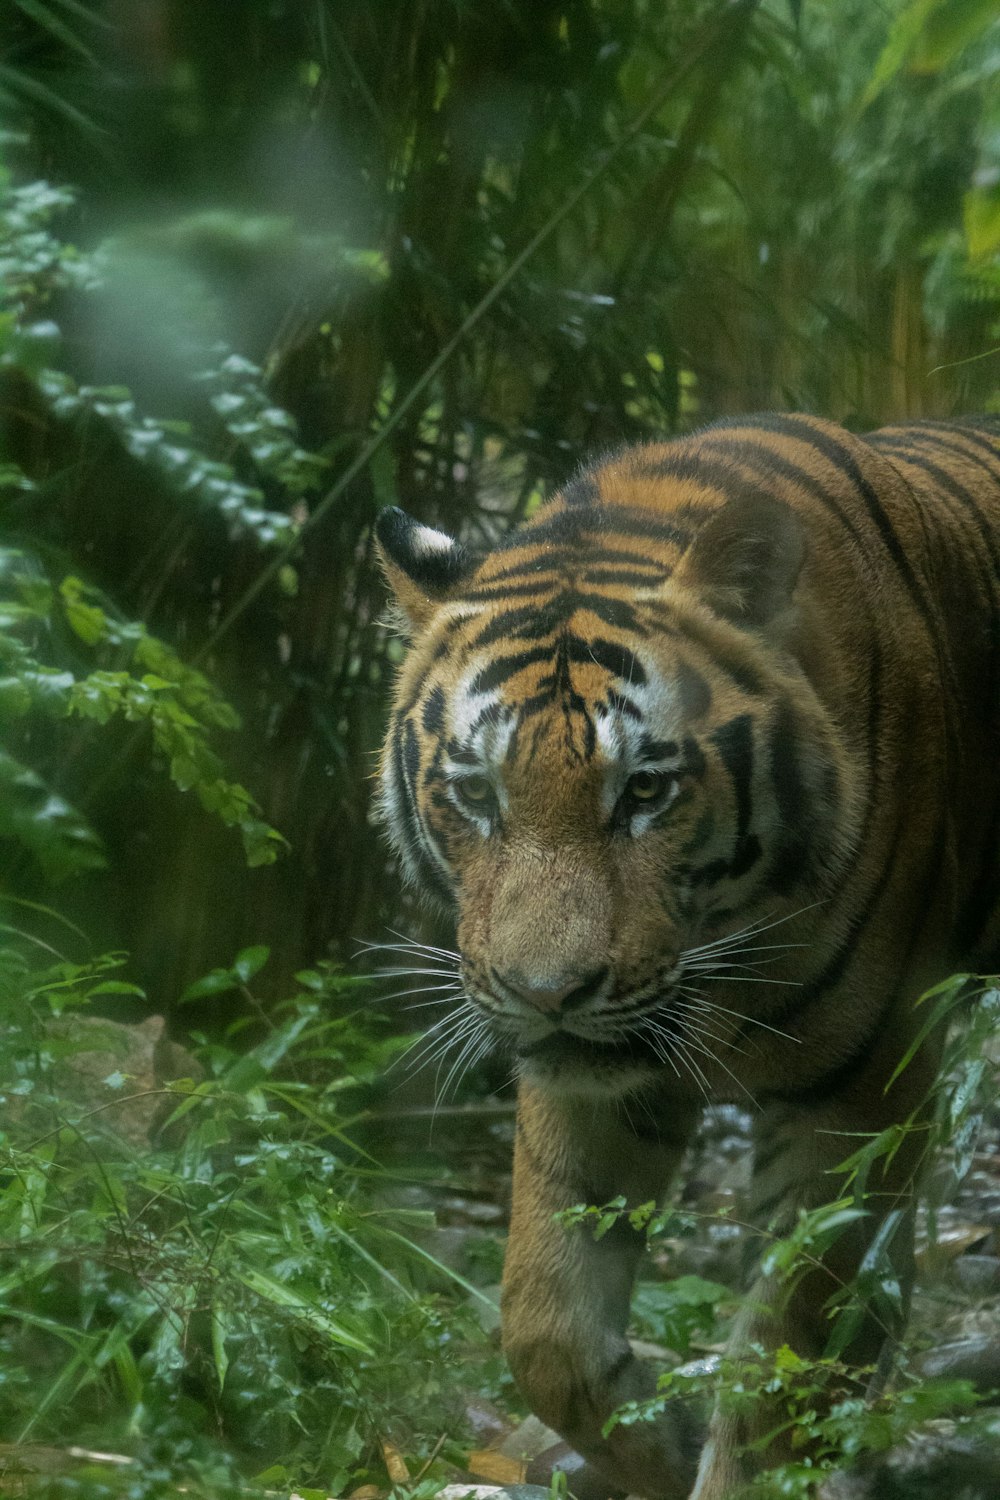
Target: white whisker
427 947
751 1020
398 972
753 929
433 1037
748 979
446 991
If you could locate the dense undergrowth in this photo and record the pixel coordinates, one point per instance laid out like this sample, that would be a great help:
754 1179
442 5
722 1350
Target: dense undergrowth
195 1269
209 1285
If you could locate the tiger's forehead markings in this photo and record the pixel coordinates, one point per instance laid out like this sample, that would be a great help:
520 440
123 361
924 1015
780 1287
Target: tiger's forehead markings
472 707
626 721
643 723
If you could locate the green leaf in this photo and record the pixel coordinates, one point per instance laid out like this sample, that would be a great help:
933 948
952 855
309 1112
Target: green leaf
926 36
249 961
85 620
49 21
949 28
220 1332
53 832
981 218
218 982
279 1294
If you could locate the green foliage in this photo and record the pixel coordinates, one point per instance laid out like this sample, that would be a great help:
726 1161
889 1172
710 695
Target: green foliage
204 1255
133 676
49 612
35 266
816 1409
819 1407
679 1311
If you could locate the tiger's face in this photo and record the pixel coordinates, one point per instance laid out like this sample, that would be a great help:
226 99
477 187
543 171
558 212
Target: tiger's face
599 786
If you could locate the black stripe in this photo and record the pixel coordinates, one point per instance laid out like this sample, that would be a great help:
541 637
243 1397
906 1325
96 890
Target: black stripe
542 563
694 759
622 579
618 703
581 491
746 678
493 713
612 657
600 553
411 756
794 1007
658 749
704 831
710 874
417 691
935 863
409 835
840 456
680 462
577 528
460 755
433 714
764 461
766 1156
975 429
536 703
977 909
618 613
563 528
538 617
797 814
951 439
818 1091
500 592
762 1209
734 742
533 621
614 1371
989 573
504 667
951 485
874 728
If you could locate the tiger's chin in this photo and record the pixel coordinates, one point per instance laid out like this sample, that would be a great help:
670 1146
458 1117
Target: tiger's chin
562 1062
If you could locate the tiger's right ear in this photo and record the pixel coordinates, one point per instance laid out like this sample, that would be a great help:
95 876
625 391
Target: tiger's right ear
421 565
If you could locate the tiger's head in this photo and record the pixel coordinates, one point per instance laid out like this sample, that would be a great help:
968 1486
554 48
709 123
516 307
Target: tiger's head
605 756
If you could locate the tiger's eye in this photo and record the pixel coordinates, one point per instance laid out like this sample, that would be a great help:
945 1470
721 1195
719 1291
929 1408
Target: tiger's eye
648 786
477 791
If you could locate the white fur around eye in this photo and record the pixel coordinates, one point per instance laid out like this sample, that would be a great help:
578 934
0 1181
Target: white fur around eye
640 820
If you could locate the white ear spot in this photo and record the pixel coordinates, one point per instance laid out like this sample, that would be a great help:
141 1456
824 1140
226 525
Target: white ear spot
426 542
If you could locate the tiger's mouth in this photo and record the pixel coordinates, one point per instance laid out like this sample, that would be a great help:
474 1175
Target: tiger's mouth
568 1050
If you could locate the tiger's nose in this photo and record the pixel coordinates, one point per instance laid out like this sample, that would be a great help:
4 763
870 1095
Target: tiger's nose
557 992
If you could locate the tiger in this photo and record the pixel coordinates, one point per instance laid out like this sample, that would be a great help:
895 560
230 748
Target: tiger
702 761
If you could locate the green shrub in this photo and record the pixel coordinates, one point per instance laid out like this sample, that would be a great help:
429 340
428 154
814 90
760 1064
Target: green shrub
196 1274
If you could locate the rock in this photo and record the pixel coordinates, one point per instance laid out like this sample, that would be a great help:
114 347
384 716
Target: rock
110 1076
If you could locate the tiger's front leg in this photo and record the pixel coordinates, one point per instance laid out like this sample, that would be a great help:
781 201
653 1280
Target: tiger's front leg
566 1294
798 1151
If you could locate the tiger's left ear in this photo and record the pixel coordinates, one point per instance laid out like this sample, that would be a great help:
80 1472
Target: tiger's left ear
746 559
421 565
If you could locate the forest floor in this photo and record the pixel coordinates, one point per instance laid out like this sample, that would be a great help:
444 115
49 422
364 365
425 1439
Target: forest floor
953 1333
